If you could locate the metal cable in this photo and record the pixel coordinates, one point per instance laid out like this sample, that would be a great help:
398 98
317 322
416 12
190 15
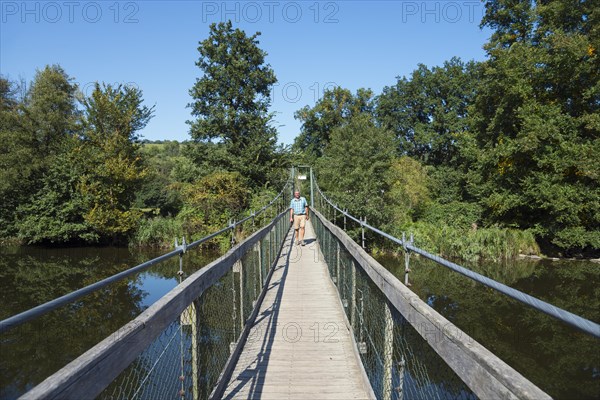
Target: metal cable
45 308
567 317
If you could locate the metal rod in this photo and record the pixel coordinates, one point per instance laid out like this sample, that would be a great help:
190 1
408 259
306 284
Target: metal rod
362 227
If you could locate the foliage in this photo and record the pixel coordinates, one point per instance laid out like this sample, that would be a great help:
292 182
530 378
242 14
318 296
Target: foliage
536 125
157 232
335 109
212 202
39 174
408 191
55 213
113 166
354 165
231 103
428 112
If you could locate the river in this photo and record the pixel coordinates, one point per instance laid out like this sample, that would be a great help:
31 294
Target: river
32 275
560 360
557 358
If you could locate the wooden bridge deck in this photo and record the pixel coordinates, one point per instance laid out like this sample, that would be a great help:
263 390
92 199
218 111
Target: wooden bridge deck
299 346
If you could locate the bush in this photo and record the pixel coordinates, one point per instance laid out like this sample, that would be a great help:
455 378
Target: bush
157 232
492 243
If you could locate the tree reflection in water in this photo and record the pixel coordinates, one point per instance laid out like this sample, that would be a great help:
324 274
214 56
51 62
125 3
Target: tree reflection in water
32 276
559 359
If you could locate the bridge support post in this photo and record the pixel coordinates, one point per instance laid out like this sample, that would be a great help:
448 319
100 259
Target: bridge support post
238 268
388 353
337 262
193 310
353 308
406 258
363 221
293 182
260 263
312 202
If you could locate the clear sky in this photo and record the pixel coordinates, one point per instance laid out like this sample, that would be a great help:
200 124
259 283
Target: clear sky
311 45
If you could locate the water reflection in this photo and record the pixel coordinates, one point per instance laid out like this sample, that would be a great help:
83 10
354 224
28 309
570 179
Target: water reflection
559 359
31 276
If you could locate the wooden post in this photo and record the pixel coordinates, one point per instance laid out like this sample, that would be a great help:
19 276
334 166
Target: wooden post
260 263
194 312
388 353
353 309
237 268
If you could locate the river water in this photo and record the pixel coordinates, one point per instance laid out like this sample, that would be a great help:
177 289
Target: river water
30 276
560 360
557 358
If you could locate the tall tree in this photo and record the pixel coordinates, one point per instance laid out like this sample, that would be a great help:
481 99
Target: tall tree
428 111
336 108
110 151
231 102
354 167
35 134
537 118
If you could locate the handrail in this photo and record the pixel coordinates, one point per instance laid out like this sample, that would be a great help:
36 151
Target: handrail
89 374
42 309
565 316
481 370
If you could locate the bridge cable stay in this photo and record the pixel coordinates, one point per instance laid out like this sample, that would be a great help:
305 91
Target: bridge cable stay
565 316
45 308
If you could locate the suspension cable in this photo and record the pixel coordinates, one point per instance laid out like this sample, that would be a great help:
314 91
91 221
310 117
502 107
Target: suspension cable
567 317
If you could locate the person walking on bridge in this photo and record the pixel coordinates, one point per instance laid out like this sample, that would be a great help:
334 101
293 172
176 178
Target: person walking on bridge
299 216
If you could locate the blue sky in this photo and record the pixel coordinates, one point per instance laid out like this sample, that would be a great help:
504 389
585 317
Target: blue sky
311 45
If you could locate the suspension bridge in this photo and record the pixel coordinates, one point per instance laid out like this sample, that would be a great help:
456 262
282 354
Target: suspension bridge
273 320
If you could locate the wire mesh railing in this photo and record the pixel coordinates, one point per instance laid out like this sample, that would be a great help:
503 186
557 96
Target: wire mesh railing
397 360
332 212
179 345
188 357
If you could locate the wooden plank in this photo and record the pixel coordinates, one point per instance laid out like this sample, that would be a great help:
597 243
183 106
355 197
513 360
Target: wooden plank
487 375
301 345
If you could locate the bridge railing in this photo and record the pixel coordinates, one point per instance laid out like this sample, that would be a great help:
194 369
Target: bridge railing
560 314
278 203
181 344
407 349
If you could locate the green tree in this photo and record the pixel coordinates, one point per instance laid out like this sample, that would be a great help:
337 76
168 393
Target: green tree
55 213
336 108
428 112
38 135
354 165
17 147
537 124
110 153
212 201
231 102
408 191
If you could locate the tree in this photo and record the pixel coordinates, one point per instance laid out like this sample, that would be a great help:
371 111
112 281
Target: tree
408 190
17 147
537 126
37 134
55 213
212 201
337 107
353 168
231 102
110 153
428 112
